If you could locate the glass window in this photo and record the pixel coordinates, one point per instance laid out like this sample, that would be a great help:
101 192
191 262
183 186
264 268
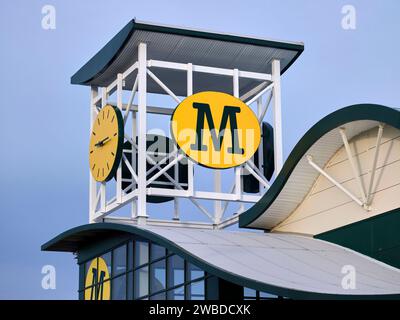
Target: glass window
194 272
158 296
141 282
249 294
176 294
87 266
176 271
107 258
266 295
195 290
157 251
141 253
119 260
158 276
130 255
129 285
119 288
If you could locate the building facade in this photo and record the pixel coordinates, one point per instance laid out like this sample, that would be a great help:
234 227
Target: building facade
324 222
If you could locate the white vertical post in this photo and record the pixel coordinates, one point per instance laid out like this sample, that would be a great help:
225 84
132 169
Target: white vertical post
217 203
176 178
277 115
118 183
94 91
190 163
103 186
260 148
103 199
142 130
238 170
133 163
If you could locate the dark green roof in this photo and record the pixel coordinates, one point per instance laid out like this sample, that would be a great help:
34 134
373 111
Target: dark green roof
184 45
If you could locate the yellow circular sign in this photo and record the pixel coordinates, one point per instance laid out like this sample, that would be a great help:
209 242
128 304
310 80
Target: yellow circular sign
216 129
97 282
106 143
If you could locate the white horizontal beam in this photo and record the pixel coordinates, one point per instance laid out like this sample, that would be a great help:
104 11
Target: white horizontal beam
150 109
206 195
167 65
164 223
206 69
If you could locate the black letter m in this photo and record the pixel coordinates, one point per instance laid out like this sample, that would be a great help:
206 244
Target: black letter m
204 113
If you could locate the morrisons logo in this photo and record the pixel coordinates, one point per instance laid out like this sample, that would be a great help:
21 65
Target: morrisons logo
204 113
97 288
96 285
195 131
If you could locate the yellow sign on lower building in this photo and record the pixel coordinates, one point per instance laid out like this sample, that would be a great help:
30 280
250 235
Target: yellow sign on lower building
215 129
97 282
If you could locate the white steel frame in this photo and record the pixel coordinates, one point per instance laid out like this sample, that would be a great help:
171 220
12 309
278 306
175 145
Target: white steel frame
100 208
366 198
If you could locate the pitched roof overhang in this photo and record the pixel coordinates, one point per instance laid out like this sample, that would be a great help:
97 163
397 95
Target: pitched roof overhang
182 45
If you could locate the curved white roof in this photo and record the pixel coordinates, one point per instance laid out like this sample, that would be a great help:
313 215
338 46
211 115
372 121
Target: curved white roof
287 261
284 264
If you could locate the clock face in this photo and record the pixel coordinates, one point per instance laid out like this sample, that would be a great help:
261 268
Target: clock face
106 143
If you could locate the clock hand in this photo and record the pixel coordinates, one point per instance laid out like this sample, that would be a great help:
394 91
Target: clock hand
102 142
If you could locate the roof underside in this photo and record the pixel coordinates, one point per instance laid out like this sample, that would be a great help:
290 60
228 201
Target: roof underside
297 176
282 264
185 46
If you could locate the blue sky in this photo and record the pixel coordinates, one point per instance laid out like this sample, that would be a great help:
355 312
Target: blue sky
44 120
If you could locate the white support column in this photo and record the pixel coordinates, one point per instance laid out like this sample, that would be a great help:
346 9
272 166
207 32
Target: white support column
133 164
260 148
190 162
277 115
103 197
118 183
217 188
176 178
142 130
238 170
103 186
94 91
